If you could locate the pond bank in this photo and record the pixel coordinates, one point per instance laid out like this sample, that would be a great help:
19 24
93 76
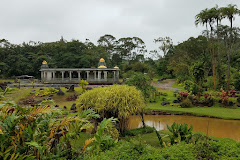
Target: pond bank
197 114
210 126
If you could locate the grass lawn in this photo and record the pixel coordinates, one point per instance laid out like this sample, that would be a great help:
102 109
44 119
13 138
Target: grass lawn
17 94
215 111
61 100
6 80
179 86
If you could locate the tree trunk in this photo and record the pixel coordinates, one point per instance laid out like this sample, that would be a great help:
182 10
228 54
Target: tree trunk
228 69
229 58
213 60
142 120
214 73
122 125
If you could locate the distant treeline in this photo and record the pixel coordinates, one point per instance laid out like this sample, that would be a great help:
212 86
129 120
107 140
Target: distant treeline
26 58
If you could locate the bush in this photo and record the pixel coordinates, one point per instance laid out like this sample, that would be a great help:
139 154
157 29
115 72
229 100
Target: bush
45 92
178 151
203 149
209 83
141 82
128 151
190 86
221 149
137 131
186 103
119 101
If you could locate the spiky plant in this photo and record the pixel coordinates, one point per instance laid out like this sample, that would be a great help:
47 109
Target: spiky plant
118 101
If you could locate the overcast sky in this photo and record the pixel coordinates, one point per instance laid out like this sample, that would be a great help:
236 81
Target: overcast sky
48 20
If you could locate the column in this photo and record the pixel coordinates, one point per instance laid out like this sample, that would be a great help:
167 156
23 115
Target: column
54 72
99 75
79 75
62 75
87 75
70 75
95 76
105 75
42 75
49 76
114 75
117 75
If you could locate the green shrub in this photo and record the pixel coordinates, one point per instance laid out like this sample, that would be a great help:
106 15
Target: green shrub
221 149
209 83
204 148
178 151
128 151
164 94
186 103
237 84
190 86
119 101
83 84
128 74
180 132
141 82
137 131
45 92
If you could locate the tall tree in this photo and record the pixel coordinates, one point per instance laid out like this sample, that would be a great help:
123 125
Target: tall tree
230 12
166 44
207 17
108 42
130 47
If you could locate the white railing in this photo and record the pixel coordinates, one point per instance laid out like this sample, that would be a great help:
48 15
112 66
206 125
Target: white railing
76 80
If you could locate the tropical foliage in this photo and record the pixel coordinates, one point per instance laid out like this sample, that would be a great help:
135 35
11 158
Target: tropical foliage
119 101
141 82
42 132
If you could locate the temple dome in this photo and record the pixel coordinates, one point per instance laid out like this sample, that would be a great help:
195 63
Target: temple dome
101 60
44 62
116 67
102 66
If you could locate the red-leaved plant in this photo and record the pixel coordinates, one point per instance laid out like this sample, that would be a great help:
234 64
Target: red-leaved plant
183 94
224 96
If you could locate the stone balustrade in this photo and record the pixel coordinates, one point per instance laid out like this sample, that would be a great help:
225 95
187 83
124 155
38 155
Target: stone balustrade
74 75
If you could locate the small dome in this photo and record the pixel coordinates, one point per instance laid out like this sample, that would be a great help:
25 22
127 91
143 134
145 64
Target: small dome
44 62
116 67
101 60
102 66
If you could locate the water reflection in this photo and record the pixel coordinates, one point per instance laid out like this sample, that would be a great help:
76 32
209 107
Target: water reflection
217 127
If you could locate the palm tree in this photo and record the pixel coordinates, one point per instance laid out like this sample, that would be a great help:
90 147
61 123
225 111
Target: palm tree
218 17
207 17
229 12
201 18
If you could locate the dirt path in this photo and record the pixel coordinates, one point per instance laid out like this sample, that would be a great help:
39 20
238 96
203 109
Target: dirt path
165 85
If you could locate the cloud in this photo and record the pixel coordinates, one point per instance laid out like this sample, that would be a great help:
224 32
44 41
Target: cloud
48 20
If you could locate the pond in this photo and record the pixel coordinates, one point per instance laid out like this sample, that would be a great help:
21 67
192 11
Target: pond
211 126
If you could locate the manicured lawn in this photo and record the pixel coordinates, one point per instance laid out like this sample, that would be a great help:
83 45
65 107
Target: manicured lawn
220 112
216 111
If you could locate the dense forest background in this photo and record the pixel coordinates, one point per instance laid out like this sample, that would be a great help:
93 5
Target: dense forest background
213 57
